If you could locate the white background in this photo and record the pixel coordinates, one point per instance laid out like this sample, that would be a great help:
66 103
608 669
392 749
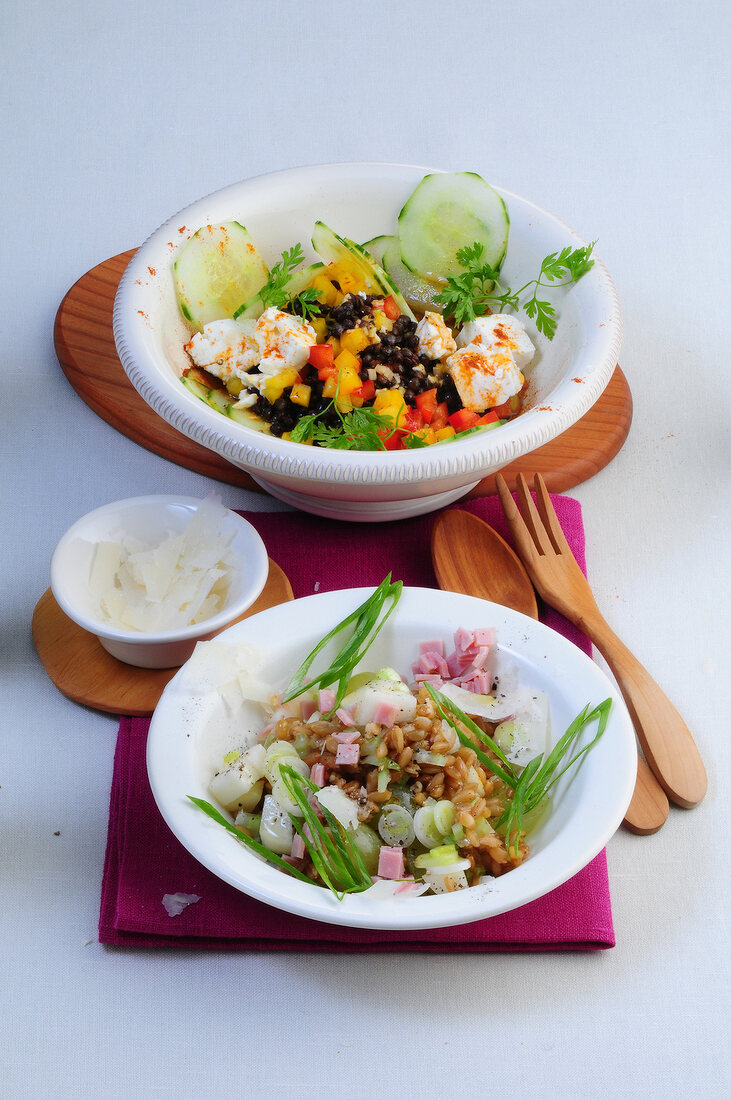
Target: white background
614 117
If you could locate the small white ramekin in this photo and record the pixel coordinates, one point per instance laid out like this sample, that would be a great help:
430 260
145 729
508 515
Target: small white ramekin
150 519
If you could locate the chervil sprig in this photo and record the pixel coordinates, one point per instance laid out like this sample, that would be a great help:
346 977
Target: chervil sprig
358 430
274 292
477 289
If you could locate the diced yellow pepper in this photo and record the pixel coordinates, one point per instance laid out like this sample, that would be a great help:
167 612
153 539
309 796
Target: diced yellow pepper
234 385
445 433
301 394
346 360
381 321
320 326
351 282
334 343
275 386
354 340
348 380
390 403
328 293
331 386
427 434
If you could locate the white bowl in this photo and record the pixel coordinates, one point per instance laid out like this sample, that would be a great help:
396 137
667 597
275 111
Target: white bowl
150 519
361 201
192 728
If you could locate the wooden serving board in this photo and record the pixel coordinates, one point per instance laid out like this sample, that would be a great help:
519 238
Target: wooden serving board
86 351
83 670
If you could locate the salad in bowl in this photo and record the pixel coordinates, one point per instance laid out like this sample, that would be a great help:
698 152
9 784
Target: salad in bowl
378 770
380 337
394 344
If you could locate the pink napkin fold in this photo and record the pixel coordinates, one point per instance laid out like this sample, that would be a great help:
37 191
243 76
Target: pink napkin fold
144 861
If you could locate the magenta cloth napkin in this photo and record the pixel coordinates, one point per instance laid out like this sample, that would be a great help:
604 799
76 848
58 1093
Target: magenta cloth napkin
144 861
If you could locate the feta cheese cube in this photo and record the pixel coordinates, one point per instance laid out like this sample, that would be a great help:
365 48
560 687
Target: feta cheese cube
225 348
435 338
484 379
283 340
502 332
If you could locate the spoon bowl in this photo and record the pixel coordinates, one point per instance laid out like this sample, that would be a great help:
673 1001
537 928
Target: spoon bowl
470 557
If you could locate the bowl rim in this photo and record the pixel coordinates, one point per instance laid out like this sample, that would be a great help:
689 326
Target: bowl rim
171 740
257 569
266 455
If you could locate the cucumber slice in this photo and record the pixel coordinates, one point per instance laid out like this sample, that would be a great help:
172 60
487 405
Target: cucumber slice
221 401
418 292
297 282
335 249
448 211
376 247
217 270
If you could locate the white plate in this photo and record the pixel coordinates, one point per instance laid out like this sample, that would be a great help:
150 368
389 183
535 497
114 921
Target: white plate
361 201
191 729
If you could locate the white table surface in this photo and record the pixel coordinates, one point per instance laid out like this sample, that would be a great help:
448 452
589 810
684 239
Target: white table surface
611 115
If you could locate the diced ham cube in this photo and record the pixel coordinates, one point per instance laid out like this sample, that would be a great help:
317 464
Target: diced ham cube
298 847
347 754
463 639
307 709
325 700
433 663
485 636
391 862
432 647
317 774
346 737
425 678
385 713
345 716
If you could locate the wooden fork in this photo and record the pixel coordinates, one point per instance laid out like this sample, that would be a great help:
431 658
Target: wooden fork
666 742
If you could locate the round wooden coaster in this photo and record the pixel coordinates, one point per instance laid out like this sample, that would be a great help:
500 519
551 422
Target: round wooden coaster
83 670
86 351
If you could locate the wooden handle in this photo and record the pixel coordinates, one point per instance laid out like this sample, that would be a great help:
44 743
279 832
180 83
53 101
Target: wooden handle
649 808
666 741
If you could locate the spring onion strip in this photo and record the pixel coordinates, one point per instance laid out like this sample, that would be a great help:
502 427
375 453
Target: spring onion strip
369 619
452 714
272 857
546 777
332 851
539 776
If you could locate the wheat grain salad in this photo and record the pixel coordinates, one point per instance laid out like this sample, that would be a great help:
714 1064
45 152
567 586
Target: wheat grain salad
400 783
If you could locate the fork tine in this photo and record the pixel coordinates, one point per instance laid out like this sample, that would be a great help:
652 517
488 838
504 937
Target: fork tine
549 517
532 518
522 536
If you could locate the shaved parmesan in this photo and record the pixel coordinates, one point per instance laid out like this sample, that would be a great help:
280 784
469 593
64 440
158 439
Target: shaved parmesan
181 580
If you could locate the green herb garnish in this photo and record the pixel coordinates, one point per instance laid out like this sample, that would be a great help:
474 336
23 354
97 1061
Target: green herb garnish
367 621
530 785
358 430
333 853
274 292
472 293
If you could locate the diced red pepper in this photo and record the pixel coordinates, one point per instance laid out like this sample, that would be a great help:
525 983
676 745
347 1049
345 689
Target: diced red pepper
390 308
321 357
463 419
426 403
367 391
439 419
392 441
487 418
412 421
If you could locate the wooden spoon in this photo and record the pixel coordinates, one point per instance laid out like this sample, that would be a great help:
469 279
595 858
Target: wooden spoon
470 557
